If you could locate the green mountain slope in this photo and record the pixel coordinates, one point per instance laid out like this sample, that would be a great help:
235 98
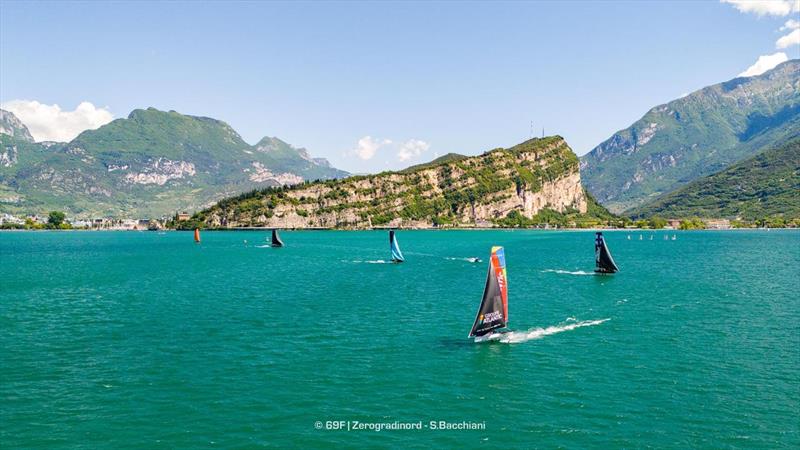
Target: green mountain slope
534 182
767 184
694 136
149 164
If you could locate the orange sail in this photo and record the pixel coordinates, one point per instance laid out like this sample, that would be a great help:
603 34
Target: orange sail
197 234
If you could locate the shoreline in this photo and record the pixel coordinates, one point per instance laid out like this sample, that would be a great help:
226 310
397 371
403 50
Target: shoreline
256 229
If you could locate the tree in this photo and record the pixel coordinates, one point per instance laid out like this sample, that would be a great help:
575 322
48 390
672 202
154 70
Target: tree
657 222
55 219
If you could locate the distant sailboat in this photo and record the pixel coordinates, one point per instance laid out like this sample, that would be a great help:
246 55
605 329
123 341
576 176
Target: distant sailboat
604 263
197 235
640 237
276 240
673 237
397 255
493 311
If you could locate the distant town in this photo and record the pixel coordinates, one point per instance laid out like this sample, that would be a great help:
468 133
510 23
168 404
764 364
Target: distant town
57 220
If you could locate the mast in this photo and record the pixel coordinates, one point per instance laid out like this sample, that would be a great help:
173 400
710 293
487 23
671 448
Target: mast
276 240
493 310
394 247
604 262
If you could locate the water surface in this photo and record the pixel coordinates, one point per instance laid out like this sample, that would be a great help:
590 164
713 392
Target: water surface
146 340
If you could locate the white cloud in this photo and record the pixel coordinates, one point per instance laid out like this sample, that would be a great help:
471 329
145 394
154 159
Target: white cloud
367 147
764 63
765 7
790 24
412 149
790 39
50 123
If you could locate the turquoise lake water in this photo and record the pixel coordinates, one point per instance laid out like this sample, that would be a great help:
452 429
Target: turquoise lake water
147 340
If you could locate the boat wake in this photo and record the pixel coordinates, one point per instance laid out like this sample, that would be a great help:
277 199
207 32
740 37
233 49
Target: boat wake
568 272
470 259
374 261
517 337
264 246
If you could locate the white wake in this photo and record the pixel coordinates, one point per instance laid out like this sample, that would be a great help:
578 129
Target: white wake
374 261
517 337
473 259
568 272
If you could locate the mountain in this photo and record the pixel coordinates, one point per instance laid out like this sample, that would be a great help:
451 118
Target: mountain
764 185
534 181
10 125
150 164
694 136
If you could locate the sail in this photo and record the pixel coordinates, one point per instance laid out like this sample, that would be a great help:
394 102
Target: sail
493 312
276 240
397 255
604 262
197 234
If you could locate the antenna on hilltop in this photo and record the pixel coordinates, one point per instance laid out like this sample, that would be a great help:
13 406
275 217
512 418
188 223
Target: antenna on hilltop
542 132
531 136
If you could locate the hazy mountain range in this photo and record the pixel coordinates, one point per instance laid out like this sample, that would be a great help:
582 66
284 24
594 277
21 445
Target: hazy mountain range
150 164
717 151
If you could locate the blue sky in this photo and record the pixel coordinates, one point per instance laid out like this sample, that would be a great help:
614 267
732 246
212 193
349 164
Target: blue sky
413 78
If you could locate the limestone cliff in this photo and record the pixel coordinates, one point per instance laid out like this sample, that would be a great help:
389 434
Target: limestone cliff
535 175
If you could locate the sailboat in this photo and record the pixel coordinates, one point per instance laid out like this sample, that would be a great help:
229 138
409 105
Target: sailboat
197 235
493 311
276 240
397 255
604 263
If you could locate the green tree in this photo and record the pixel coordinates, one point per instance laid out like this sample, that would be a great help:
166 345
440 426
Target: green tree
55 219
657 222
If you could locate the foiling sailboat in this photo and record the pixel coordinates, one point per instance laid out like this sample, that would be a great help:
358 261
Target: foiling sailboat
397 255
197 235
276 240
604 262
493 310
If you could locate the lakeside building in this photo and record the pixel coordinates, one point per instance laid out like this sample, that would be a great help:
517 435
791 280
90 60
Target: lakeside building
717 224
8 218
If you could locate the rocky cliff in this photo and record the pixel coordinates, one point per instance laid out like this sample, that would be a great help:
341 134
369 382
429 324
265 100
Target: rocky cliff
537 175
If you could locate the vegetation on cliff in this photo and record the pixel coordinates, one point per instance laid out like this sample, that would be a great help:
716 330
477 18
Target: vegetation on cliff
531 178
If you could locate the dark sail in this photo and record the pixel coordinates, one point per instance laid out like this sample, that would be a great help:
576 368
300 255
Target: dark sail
604 263
276 240
493 311
397 255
